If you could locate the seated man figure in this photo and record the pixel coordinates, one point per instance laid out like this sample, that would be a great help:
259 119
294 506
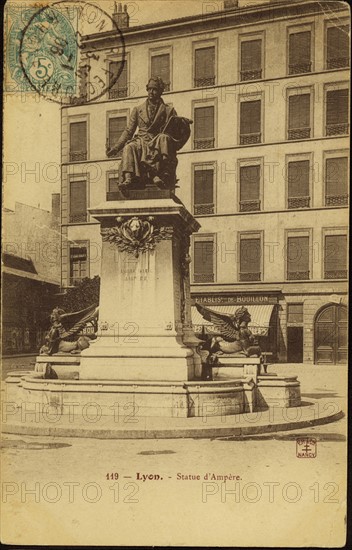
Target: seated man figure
151 150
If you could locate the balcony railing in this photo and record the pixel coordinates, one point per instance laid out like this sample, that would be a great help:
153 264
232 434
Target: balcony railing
116 93
247 139
113 195
299 68
74 281
78 218
204 277
249 206
204 143
338 62
298 202
337 129
297 275
200 82
299 133
336 274
253 276
78 155
336 200
203 209
251 75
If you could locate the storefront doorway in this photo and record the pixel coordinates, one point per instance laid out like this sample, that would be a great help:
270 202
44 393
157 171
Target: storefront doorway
295 344
330 335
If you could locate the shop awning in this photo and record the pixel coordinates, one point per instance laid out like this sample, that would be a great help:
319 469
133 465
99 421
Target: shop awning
259 324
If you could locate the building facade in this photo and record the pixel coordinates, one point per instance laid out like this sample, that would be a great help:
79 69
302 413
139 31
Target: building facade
30 275
265 171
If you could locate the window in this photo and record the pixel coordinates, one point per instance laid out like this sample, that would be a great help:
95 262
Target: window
116 126
298 184
112 186
294 314
250 257
337 112
298 258
299 52
160 66
204 127
78 262
336 186
204 260
203 192
250 122
335 257
117 88
78 201
204 67
78 141
249 188
299 116
338 49
251 59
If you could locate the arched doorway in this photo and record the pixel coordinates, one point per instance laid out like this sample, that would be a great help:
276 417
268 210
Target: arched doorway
330 335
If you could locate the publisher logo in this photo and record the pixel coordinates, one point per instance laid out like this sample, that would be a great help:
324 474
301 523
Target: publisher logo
306 447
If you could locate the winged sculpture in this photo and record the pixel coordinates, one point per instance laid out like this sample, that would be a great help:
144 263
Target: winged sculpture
230 333
64 333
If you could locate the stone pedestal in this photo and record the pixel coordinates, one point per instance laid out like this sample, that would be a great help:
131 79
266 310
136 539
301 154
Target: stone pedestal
145 328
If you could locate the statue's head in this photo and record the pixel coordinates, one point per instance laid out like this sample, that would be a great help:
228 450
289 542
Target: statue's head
242 315
155 88
56 314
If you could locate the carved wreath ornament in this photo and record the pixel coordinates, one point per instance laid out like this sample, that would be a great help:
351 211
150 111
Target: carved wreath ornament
135 235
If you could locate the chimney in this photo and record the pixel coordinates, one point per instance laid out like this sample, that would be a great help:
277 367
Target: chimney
55 208
121 18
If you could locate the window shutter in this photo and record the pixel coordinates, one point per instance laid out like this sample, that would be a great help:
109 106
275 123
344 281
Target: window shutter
337 176
204 258
335 253
250 117
121 82
160 66
249 183
251 55
78 137
337 107
299 111
204 123
78 263
203 187
338 45
250 255
78 201
299 48
298 179
116 126
298 254
113 183
205 63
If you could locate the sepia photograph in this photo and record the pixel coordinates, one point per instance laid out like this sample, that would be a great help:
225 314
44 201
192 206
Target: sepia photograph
175 237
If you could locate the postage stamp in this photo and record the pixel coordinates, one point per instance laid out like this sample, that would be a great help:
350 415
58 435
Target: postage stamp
46 51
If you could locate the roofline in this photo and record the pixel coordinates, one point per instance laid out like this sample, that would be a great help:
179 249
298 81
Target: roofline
289 5
27 275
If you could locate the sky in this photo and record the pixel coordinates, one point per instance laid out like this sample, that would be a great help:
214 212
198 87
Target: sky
31 150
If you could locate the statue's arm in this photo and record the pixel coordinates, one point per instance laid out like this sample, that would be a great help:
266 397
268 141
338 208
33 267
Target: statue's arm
126 135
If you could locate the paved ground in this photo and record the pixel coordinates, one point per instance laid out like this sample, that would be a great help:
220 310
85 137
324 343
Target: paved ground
277 499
